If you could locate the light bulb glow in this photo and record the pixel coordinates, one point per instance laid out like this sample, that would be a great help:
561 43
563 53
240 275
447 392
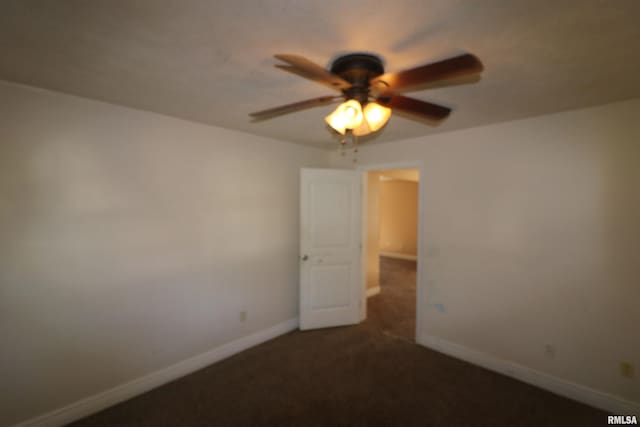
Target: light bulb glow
336 121
352 113
376 115
348 115
363 129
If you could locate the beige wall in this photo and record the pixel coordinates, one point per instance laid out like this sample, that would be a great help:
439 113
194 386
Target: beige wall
398 217
531 237
373 229
130 241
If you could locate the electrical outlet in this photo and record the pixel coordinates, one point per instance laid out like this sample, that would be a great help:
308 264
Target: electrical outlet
550 350
243 316
627 370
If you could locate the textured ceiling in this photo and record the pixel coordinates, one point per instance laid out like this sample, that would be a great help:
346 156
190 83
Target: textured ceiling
211 61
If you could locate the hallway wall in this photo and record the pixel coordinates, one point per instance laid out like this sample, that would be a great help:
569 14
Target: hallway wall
398 217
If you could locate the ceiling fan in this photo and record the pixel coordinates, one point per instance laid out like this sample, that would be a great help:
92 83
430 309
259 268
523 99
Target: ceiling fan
368 92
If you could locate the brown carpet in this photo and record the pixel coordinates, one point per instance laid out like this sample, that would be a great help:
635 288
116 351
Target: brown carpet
393 310
371 374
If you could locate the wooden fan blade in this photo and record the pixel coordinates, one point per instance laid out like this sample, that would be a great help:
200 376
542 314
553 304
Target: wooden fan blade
290 108
447 69
306 75
415 107
305 68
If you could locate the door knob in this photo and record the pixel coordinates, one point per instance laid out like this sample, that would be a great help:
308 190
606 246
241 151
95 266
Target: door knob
304 257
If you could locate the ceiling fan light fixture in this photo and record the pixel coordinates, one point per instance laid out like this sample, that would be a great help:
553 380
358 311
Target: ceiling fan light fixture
348 115
360 77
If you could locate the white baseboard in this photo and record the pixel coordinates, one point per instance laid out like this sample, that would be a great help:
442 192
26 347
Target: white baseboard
373 291
100 401
398 255
608 402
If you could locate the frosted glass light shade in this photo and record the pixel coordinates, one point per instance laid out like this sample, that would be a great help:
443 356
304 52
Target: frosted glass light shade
376 115
348 115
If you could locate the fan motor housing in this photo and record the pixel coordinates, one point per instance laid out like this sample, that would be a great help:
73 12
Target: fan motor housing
357 69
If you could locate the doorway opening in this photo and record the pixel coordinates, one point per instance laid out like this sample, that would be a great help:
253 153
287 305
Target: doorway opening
391 250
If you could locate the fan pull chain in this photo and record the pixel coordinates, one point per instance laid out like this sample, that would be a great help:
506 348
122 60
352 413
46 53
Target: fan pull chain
343 144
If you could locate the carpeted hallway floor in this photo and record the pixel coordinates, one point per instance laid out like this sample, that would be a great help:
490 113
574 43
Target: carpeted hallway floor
371 374
393 310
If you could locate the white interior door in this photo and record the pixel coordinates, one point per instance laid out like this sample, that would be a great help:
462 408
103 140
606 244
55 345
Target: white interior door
330 285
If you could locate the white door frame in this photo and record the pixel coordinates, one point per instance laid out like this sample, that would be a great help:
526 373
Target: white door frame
364 171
